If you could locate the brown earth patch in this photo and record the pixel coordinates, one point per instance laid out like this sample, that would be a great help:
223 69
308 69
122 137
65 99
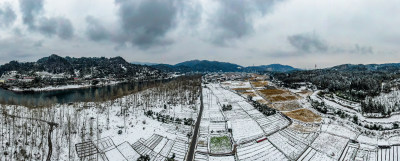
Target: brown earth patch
268 92
259 83
287 106
303 128
241 89
304 115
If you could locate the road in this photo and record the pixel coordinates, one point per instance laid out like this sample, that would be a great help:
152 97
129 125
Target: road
190 155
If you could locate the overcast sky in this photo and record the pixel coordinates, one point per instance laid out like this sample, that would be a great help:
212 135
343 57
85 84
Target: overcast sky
300 33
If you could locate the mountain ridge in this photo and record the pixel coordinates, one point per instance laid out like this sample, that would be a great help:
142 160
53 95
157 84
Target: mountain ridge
217 66
95 67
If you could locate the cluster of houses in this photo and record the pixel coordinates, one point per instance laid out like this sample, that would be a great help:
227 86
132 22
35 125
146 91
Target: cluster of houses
221 77
14 78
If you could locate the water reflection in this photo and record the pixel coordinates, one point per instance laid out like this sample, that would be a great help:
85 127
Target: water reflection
45 98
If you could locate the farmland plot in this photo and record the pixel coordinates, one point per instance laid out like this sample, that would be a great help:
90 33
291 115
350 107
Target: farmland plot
127 151
160 145
287 105
363 154
330 144
305 138
217 127
312 155
259 152
339 130
304 128
216 115
272 123
167 147
290 146
115 155
221 158
245 105
236 114
244 128
259 83
350 152
200 157
304 115
388 154
202 144
220 144
236 84
179 149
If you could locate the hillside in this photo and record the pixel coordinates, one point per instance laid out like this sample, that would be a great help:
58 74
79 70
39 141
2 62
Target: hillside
101 67
270 68
215 66
367 67
210 66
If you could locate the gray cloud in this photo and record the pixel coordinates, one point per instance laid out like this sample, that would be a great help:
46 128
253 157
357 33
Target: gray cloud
38 43
145 23
59 26
30 10
65 29
308 43
95 30
7 16
19 48
48 26
234 18
363 49
190 11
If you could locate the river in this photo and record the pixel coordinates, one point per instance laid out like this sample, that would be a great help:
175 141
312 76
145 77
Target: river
101 93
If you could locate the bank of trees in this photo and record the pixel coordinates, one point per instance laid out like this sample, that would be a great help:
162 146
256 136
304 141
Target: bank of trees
263 108
355 85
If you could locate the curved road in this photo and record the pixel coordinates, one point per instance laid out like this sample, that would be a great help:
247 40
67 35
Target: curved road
190 155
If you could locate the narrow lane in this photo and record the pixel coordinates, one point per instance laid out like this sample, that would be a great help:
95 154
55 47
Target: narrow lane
190 155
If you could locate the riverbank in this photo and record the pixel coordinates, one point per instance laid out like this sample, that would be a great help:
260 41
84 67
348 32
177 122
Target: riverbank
63 87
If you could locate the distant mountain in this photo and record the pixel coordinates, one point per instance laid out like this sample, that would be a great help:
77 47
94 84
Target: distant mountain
172 68
270 68
202 66
94 67
143 63
215 66
210 66
367 67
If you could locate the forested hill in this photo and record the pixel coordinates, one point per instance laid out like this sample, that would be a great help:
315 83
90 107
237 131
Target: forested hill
215 66
354 82
390 67
270 68
91 67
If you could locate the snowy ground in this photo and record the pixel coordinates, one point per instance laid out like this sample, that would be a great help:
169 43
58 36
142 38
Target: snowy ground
122 131
330 139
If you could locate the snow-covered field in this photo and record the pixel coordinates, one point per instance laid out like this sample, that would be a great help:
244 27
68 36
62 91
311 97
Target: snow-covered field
259 152
330 144
339 130
330 139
